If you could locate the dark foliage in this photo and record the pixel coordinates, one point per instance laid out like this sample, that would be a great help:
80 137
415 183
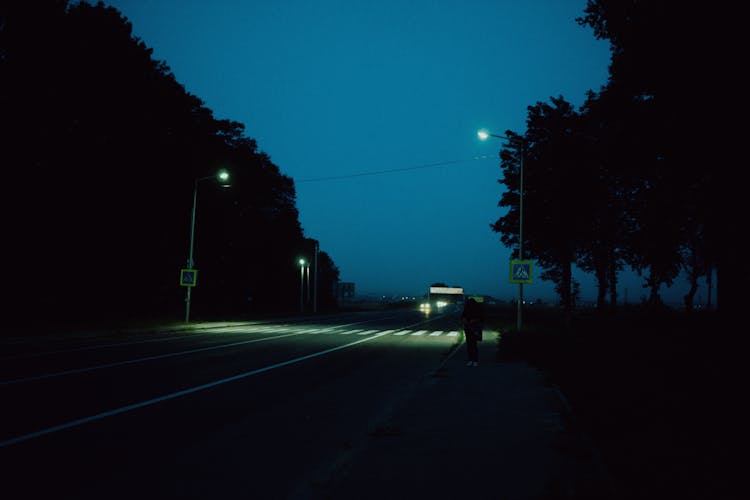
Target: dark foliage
656 390
643 174
102 148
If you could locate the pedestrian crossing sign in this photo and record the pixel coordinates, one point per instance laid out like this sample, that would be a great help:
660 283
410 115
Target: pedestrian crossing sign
188 277
521 271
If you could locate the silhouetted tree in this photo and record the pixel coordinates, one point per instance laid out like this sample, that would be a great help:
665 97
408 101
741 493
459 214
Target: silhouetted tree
557 191
633 163
109 146
676 60
609 220
511 156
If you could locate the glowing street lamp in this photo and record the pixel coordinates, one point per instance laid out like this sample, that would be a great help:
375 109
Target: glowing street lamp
302 264
223 177
484 135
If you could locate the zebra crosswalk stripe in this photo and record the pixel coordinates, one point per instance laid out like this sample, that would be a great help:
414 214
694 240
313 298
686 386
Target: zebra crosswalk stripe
349 332
312 330
334 330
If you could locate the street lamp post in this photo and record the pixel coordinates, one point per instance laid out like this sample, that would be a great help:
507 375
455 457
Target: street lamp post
302 263
223 177
483 135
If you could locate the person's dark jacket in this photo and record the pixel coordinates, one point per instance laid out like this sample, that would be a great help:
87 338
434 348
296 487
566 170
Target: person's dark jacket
473 311
473 319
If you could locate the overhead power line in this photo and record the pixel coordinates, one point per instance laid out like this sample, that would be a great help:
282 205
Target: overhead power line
394 170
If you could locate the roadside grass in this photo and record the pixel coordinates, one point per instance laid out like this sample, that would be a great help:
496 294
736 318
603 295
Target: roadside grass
656 391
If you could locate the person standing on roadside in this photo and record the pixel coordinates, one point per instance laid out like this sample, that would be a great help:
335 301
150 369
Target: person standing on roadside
473 323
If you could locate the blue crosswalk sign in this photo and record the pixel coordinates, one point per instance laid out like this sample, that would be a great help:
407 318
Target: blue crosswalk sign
188 277
521 271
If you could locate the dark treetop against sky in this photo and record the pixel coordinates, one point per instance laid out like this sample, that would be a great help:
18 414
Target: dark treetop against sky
331 89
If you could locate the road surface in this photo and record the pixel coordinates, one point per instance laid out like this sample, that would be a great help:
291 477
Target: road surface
247 410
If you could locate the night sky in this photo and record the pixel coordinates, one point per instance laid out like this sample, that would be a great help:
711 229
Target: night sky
372 107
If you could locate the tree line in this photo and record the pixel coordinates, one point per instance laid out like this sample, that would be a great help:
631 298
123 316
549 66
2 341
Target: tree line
638 176
102 147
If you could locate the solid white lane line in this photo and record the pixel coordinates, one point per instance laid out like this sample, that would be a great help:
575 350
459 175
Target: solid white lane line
248 327
173 395
93 347
173 335
139 360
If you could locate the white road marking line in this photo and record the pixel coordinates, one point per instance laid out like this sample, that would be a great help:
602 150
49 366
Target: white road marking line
453 334
123 409
140 360
173 335
248 329
349 332
98 346
173 395
436 334
403 332
368 332
420 332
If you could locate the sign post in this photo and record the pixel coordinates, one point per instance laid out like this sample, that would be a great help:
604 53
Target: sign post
188 278
521 273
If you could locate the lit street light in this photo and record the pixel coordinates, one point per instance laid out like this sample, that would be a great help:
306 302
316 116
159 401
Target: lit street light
223 177
484 135
302 265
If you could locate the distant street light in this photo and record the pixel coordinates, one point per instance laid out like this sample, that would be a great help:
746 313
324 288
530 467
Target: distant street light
302 264
484 135
223 177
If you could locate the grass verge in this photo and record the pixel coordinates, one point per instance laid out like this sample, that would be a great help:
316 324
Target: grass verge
659 393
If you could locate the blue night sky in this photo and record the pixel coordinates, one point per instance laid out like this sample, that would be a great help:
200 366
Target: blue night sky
332 88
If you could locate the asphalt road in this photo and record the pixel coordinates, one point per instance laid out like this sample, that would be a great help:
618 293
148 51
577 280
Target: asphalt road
250 410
